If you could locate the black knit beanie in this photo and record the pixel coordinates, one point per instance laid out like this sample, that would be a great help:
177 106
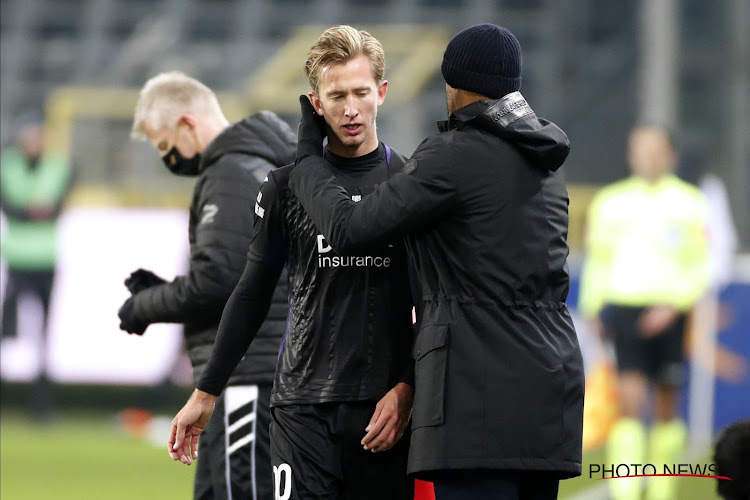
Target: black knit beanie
485 59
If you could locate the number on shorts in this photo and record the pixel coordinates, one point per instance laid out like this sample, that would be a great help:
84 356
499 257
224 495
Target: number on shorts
286 471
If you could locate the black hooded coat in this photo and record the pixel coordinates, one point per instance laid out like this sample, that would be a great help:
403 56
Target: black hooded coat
233 167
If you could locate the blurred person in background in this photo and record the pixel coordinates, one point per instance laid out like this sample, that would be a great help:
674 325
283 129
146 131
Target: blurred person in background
182 119
498 404
646 267
34 183
343 390
732 459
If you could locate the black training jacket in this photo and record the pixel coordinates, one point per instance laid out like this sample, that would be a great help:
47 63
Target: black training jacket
350 330
499 378
232 169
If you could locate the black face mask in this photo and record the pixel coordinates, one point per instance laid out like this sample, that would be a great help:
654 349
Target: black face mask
179 165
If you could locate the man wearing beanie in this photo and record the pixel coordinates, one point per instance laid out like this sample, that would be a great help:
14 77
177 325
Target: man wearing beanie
482 206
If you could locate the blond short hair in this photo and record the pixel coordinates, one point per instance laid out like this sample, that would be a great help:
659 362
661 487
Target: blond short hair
339 45
167 96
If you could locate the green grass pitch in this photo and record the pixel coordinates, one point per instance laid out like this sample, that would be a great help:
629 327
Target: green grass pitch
85 457
88 456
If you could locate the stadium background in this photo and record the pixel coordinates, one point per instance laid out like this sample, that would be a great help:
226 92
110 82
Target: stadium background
594 67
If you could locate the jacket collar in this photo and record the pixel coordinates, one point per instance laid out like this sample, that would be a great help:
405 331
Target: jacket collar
542 142
488 113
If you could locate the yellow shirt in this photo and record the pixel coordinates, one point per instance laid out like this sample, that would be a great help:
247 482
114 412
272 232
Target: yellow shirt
646 244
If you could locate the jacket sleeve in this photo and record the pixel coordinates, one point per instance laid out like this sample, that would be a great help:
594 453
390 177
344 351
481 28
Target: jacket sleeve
251 299
597 263
411 199
694 256
243 315
223 215
68 183
11 205
13 211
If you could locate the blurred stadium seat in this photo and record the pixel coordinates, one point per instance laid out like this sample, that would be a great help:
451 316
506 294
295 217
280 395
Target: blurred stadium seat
580 60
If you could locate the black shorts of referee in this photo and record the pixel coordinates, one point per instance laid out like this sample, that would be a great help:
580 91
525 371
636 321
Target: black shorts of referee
658 357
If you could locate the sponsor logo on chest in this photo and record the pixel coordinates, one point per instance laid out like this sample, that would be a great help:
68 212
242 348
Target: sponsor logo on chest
325 260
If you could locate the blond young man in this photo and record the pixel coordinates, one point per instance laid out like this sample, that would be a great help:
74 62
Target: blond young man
343 389
182 119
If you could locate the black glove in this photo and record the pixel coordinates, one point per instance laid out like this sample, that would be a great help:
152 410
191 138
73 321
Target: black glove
311 130
128 320
141 279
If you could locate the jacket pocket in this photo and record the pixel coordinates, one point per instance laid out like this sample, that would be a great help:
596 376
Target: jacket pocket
431 355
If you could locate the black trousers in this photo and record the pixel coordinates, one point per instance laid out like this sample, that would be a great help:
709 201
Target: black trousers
234 459
38 284
21 282
496 485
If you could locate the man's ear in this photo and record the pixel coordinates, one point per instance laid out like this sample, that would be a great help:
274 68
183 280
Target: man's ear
315 102
382 89
188 120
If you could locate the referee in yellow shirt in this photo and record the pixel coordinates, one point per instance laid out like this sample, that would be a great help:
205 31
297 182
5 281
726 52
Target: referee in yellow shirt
646 266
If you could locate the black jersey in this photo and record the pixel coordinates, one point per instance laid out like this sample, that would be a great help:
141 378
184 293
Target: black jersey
349 332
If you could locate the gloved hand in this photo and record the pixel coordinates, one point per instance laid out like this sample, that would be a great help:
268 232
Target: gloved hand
311 130
141 279
128 320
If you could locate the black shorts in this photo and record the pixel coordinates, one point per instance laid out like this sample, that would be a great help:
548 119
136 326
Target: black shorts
234 458
316 454
659 358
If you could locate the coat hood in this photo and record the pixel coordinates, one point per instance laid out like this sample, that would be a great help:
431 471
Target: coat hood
263 134
511 118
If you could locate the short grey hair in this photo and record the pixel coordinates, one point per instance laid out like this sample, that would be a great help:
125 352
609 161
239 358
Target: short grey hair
167 96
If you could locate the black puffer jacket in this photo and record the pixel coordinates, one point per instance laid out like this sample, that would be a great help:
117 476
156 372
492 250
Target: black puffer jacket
232 168
499 376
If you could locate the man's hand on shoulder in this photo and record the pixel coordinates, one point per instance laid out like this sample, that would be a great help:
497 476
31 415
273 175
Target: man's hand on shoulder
311 130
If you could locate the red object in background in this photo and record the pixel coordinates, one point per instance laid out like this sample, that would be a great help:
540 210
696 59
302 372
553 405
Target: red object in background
423 490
